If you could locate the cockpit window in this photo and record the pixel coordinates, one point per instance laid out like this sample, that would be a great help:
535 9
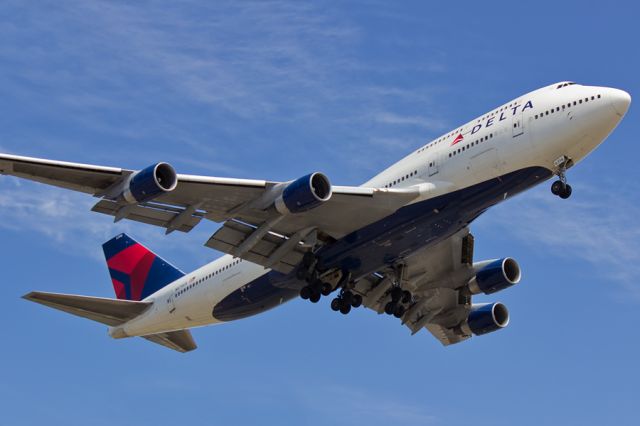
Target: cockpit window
568 83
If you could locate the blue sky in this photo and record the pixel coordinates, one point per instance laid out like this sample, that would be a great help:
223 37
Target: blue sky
274 90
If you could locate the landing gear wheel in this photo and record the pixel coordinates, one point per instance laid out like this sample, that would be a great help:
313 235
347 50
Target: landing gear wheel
316 286
390 308
396 294
344 308
399 311
315 297
347 298
305 292
326 289
556 187
357 301
336 304
566 193
406 296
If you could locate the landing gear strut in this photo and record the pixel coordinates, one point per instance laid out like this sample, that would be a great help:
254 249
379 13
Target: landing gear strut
399 297
560 187
345 301
316 288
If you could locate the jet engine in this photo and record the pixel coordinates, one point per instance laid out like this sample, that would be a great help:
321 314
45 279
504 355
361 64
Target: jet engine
494 275
149 183
487 317
303 194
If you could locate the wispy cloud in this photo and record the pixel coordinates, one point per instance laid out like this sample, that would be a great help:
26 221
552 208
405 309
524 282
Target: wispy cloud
357 405
273 61
65 219
215 88
396 119
595 225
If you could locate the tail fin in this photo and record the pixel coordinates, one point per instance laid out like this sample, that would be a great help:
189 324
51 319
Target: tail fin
136 272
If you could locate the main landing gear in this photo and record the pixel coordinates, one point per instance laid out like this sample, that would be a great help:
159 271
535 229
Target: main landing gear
560 187
345 301
316 288
399 298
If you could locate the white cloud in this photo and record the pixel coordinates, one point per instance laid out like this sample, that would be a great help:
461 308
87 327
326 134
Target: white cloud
411 120
66 220
368 407
594 225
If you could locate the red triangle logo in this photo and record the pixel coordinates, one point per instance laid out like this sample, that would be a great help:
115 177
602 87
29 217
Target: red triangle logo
457 139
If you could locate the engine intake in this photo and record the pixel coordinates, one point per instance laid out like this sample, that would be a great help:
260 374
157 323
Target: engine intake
304 194
494 275
487 317
149 183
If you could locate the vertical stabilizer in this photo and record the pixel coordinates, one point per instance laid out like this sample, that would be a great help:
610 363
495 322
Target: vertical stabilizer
136 272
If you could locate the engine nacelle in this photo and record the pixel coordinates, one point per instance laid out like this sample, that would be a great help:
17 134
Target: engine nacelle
303 194
494 275
150 183
487 317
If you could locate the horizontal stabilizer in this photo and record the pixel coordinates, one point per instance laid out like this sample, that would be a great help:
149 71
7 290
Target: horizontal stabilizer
180 340
107 311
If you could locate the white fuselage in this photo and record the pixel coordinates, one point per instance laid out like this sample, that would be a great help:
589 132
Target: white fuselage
539 129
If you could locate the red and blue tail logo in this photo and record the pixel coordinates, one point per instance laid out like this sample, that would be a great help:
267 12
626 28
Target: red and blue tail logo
136 272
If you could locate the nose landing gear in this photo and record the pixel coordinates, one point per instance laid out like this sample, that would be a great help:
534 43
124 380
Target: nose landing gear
560 187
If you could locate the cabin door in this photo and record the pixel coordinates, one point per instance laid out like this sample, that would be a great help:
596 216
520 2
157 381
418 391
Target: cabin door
517 124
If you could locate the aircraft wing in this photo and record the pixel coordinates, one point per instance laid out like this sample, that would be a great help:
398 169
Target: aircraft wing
250 231
434 277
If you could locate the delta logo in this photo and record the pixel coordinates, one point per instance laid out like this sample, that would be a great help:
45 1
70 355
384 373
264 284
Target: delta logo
491 120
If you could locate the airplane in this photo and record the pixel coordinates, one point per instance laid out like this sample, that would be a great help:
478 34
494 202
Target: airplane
399 244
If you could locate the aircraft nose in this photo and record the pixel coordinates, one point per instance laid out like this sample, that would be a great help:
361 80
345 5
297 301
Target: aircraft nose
620 101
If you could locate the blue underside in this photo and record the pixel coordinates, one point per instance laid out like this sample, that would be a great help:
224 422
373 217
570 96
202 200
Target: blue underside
381 243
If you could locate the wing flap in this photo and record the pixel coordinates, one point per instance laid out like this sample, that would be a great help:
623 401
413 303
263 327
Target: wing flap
107 311
181 340
232 234
434 276
446 336
178 219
